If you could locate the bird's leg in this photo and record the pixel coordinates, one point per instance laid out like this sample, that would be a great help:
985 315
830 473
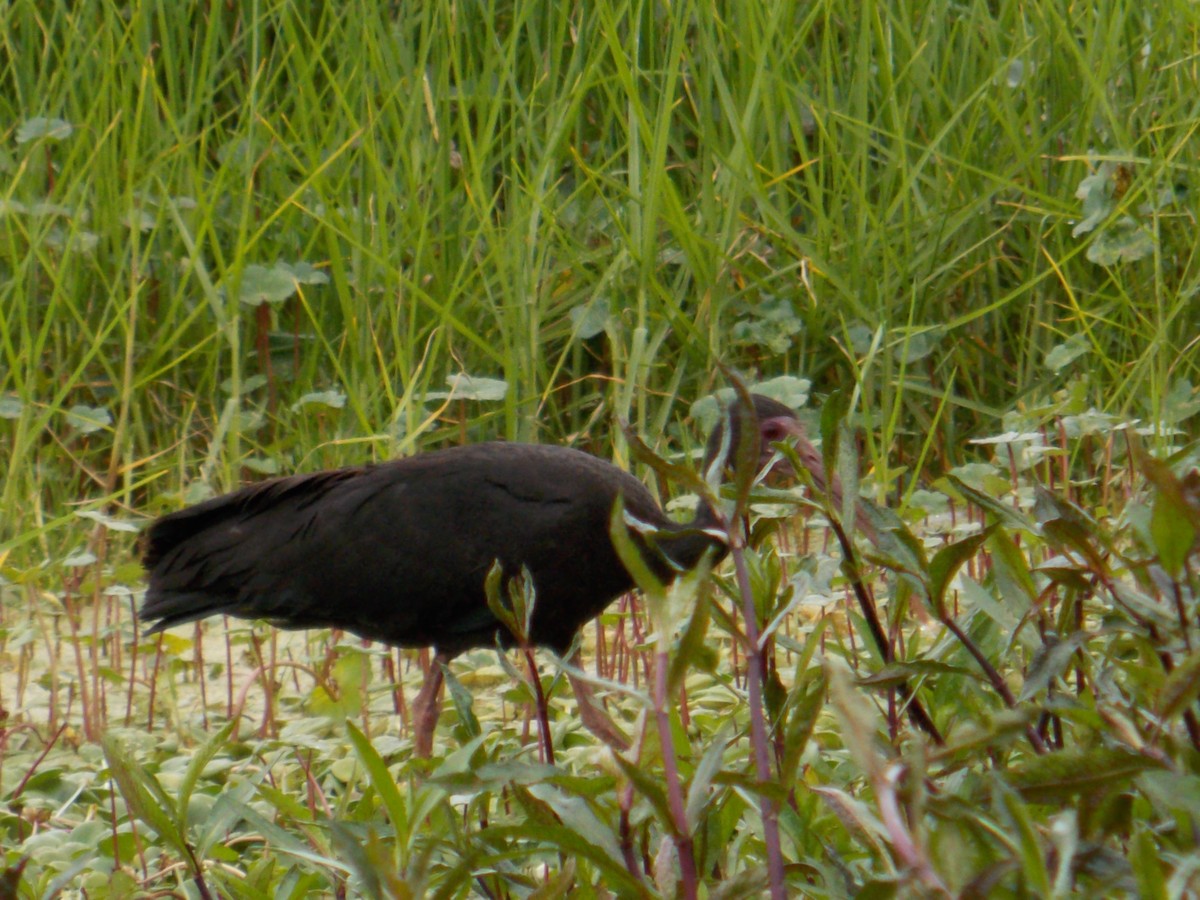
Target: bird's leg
428 706
591 712
542 713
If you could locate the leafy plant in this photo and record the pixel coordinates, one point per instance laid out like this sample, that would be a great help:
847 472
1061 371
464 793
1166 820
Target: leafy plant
963 230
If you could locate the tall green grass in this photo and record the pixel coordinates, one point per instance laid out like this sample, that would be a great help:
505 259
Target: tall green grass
593 204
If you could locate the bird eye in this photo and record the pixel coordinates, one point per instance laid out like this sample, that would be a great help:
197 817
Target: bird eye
772 431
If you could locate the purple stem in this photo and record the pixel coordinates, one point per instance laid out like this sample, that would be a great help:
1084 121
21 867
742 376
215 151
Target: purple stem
758 723
542 715
683 835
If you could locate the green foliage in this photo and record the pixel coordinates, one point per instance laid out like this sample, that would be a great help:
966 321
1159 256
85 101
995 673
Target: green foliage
240 240
1082 780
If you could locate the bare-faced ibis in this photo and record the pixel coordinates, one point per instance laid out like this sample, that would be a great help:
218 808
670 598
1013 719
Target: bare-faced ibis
399 552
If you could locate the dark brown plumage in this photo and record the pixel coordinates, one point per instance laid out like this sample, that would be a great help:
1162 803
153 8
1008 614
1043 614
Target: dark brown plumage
398 552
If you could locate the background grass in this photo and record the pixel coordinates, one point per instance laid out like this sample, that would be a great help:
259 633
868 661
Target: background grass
239 240
590 204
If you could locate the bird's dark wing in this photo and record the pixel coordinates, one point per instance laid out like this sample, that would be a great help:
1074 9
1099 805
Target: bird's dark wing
266 551
399 552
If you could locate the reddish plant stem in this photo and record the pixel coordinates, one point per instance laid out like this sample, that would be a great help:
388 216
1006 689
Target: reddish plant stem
37 762
201 681
866 605
401 700
228 667
262 673
625 802
133 663
760 744
683 834
995 679
365 688
89 726
543 717
158 655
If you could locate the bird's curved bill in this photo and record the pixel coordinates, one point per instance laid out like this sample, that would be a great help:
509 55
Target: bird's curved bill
789 431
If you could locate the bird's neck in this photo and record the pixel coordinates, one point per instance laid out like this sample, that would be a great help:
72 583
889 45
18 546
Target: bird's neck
687 542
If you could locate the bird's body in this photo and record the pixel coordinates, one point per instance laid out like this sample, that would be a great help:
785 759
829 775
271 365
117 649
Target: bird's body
399 552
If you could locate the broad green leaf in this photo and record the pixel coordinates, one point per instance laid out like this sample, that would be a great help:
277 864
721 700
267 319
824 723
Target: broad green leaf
1000 730
1001 510
859 721
1145 858
471 387
1064 775
261 285
80 558
833 413
854 815
1173 530
1014 580
631 556
912 346
1181 687
351 848
201 757
771 323
385 786
41 127
899 672
1032 855
463 704
109 522
555 886
331 399
1062 355
699 795
576 815
493 588
596 846
139 220
246 385
651 786
143 794
263 465
533 809
10 406
227 810
285 841
692 644
590 319
1096 192
1124 241
303 273
1065 524
946 563
88 419
1172 793
806 702
1049 662
787 389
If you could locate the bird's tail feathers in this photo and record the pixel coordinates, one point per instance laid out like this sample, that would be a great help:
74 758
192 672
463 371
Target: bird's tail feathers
166 610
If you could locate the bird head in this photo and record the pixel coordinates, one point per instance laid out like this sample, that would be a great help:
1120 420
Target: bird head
776 423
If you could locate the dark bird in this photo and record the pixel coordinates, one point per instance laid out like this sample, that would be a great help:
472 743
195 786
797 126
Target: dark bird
399 552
